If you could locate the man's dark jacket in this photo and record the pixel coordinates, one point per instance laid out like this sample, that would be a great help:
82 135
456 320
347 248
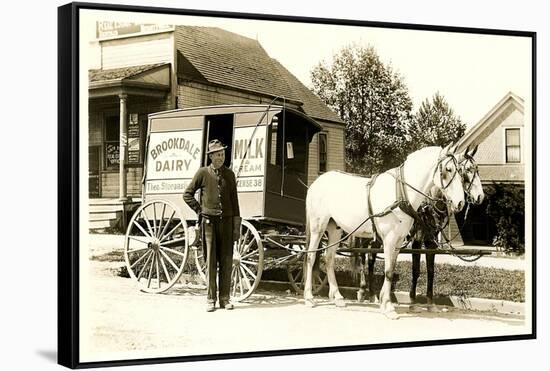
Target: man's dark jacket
218 192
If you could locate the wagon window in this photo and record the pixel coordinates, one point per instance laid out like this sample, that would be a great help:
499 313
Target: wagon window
295 133
294 145
274 153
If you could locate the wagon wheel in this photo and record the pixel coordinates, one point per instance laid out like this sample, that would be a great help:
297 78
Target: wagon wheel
156 247
295 272
248 263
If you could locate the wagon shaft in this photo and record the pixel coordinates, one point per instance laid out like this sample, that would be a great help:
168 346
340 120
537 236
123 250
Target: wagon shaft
420 251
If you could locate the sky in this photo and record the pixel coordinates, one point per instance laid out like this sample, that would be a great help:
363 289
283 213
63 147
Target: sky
472 71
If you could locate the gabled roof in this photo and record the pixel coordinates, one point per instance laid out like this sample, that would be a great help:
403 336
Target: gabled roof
151 80
490 121
224 58
312 104
121 73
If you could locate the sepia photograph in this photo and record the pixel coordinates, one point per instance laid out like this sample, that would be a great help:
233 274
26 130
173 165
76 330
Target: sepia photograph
264 185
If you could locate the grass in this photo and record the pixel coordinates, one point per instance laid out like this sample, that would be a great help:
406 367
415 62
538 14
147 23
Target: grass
469 281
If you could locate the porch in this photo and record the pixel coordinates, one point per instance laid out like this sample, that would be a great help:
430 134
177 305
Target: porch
109 214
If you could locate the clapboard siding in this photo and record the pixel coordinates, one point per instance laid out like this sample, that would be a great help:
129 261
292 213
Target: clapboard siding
139 50
193 94
109 183
335 155
491 150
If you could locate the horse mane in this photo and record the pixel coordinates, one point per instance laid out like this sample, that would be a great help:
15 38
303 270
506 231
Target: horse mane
436 151
351 174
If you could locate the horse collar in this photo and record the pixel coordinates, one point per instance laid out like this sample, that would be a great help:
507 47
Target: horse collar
401 194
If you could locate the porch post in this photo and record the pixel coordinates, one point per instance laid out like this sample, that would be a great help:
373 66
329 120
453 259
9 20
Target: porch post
123 147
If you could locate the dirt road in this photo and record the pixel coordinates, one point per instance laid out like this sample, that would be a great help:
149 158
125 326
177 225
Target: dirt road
119 322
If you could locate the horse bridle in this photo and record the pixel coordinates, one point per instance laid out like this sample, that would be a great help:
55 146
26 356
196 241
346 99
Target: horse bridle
440 167
464 174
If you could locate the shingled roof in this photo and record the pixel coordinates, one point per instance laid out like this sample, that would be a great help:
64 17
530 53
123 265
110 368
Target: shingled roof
225 58
120 73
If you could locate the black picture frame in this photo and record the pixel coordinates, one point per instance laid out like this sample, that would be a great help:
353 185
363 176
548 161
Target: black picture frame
69 180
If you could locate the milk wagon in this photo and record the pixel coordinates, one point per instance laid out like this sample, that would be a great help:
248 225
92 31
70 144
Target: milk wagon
268 151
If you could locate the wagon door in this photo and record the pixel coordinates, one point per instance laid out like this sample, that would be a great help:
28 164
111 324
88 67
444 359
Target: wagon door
219 127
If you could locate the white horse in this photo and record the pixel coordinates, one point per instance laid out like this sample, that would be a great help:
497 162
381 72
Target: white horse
337 202
473 189
471 182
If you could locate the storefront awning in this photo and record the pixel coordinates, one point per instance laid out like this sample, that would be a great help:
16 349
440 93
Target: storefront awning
146 80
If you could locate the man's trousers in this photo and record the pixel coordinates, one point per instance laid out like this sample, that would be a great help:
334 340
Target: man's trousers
217 235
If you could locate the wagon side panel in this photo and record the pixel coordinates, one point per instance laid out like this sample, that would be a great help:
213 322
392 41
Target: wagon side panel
248 159
174 153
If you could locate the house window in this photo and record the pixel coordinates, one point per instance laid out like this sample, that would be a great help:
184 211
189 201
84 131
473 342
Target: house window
513 149
323 151
111 143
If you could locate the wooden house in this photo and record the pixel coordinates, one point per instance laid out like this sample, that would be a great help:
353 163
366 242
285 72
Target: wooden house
155 70
500 135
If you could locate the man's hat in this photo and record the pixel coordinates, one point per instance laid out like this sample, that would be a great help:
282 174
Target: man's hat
215 146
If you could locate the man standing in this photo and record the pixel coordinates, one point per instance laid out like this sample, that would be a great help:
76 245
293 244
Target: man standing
221 221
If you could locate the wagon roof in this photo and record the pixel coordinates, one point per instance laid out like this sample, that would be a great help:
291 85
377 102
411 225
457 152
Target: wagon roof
225 58
231 108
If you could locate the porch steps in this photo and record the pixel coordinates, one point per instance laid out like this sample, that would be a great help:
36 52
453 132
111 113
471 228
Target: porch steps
106 214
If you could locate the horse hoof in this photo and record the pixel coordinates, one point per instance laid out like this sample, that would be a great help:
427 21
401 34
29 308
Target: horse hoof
373 299
310 303
391 315
414 308
360 297
433 309
340 303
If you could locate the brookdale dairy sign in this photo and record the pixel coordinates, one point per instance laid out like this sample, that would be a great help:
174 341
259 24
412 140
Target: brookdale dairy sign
175 155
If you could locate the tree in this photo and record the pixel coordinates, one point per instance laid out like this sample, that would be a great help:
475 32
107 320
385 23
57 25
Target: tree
506 207
374 103
435 124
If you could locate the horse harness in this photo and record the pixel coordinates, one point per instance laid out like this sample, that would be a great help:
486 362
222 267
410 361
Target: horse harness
402 200
462 170
434 214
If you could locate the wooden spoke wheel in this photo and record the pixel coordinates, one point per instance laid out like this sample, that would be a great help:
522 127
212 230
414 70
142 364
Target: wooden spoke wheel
295 272
248 263
156 246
